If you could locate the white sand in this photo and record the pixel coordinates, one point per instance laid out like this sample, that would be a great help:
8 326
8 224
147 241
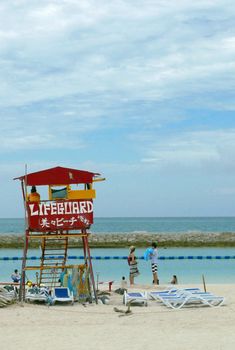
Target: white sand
99 327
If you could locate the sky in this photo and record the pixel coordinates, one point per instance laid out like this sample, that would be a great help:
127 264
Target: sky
140 91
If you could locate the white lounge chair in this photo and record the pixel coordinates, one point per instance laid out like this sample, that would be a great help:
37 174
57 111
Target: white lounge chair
37 294
62 294
172 291
135 297
182 298
8 293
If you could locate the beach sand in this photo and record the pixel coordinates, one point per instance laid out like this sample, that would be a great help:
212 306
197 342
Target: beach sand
96 327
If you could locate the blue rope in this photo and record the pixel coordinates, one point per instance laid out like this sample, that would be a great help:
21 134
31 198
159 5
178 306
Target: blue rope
81 257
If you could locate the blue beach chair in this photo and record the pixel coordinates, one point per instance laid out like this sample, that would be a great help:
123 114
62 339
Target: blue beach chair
62 294
135 297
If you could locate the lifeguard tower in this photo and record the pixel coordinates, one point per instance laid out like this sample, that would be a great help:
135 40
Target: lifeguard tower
66 214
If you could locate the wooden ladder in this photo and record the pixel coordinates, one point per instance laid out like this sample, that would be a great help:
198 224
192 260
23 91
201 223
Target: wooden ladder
53 259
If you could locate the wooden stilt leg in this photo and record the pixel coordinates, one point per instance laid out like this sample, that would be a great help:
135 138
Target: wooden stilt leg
22 280
90 267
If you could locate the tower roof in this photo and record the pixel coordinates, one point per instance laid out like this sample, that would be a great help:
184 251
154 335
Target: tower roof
57 176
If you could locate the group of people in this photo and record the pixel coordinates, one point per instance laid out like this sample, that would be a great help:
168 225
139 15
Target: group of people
152 254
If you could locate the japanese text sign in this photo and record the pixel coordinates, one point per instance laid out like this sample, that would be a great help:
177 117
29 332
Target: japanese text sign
60 215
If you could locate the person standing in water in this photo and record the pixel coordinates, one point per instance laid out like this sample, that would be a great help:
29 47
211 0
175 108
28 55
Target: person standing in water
134 272
154 261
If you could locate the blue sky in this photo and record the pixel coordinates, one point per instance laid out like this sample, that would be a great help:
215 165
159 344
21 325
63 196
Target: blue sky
140 91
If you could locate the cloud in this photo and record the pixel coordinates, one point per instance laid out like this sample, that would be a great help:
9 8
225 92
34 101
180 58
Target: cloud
200 149
127 88
77 68
152 50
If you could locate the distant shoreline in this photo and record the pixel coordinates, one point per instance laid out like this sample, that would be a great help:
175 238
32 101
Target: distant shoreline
120 240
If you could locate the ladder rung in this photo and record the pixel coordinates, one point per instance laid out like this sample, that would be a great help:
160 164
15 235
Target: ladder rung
55 247
51 243
47 255
52 264
49 267
60 248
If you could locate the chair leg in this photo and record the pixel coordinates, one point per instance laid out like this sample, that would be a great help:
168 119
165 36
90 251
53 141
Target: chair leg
124 298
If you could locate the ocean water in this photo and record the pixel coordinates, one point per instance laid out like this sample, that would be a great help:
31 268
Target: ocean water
151 224
187 271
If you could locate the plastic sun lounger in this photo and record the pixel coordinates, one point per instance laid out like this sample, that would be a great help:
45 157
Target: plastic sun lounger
37 294
135 297
9 294
35 297
176 293
62 294
172 291
177 301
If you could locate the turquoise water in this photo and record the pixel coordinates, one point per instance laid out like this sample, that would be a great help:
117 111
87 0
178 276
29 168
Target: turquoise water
187 271
154 224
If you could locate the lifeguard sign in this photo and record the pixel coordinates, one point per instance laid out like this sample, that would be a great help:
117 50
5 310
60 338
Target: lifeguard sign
66 215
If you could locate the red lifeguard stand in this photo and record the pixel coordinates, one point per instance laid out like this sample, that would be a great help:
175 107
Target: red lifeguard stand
66 213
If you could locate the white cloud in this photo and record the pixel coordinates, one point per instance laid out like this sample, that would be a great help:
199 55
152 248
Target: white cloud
48 128
83 61
199 149
93 84
147 49
36 141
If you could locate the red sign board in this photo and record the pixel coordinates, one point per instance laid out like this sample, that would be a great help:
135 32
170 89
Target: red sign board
60 215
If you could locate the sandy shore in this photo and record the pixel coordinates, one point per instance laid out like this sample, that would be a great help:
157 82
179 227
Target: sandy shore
98 327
